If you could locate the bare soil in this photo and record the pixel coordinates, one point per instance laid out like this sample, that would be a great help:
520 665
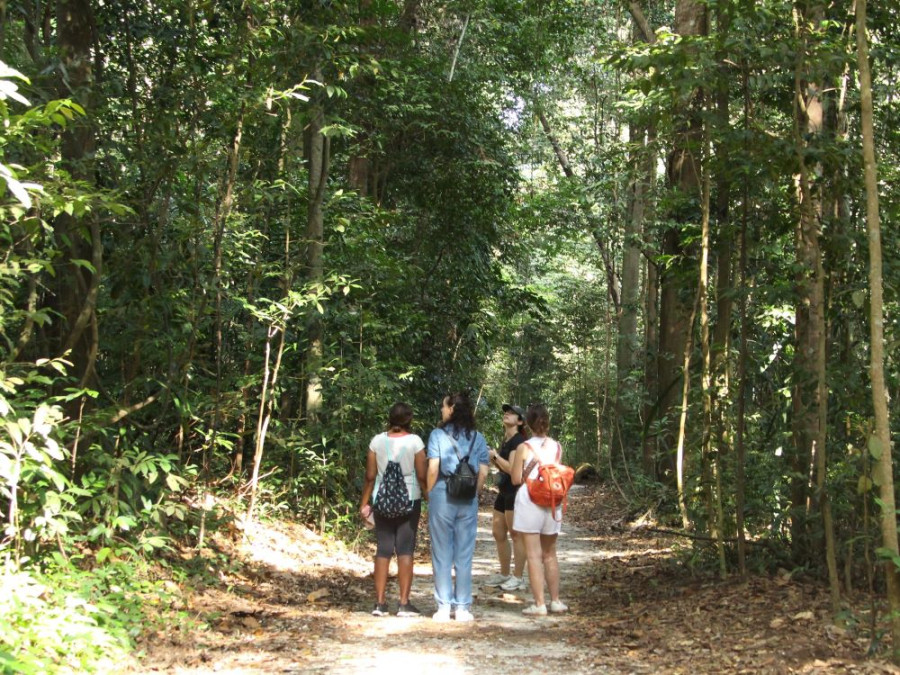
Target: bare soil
295 602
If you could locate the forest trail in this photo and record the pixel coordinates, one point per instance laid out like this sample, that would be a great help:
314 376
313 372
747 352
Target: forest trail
302 605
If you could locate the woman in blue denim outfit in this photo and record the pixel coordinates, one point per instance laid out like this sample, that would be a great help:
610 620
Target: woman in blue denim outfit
453 522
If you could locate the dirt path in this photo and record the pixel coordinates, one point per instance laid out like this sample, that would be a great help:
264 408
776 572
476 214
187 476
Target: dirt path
301 604
501 640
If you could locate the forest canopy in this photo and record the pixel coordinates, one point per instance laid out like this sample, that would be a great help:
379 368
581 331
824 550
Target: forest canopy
235 232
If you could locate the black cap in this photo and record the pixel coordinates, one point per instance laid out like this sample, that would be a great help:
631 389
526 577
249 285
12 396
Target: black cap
516 409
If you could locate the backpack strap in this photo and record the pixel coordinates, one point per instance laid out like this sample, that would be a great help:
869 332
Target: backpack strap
453 443
535 460
456 447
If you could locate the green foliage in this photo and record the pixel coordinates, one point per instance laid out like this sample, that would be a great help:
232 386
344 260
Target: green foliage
458 254
67 621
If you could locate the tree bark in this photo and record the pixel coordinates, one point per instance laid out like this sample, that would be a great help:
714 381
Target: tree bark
882 436
677 278
317 149
627 345
808 399
77 284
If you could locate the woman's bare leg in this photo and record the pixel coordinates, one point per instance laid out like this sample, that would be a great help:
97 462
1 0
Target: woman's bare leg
381 577
535 566
518 546
404 576
551 564
499 529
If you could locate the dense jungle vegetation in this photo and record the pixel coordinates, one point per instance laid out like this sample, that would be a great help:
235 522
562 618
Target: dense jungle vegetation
235 231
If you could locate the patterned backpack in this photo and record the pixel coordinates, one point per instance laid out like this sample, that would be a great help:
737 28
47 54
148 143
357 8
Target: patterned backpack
393 496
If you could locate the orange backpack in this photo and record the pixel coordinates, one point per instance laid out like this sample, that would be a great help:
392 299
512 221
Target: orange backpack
551 487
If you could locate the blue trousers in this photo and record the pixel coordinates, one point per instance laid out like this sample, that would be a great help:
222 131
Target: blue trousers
453 525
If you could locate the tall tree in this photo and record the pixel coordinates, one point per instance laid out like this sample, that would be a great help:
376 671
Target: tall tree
809 396
880 443
77 278
317 148
678 275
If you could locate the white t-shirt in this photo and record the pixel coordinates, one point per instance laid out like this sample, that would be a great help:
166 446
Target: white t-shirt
402 450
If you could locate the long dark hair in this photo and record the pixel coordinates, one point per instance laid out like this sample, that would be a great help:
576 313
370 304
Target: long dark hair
463 416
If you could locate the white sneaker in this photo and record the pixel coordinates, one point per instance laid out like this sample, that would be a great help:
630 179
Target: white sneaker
535 610
443 614
496 580
558 606
464 615
512 584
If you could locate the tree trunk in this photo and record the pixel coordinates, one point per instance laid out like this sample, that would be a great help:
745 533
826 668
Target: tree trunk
77 285
881 440
651 340
740 460
317 154
223 210
677 279
809 389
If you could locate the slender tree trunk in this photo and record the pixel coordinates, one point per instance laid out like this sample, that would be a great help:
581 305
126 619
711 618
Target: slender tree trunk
317 148
267 400
627 347
682 419
223 211
740 480
651 340
77 286
880 445
720 365
711 477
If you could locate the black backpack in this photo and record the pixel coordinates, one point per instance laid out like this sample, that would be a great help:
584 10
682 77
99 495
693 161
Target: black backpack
462 483
393 496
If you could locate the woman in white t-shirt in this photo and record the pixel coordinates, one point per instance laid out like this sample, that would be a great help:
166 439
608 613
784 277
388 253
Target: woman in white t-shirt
539 526
395 535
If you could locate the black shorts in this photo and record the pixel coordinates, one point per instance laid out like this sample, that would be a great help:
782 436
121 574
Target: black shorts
397 535
506 501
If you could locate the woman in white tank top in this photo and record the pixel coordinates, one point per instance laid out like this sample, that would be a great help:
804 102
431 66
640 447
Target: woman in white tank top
538 525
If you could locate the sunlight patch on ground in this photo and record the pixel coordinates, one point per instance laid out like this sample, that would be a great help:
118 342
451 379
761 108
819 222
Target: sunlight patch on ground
634 554
407 660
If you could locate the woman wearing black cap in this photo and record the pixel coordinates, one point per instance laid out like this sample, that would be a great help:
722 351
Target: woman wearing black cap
513 436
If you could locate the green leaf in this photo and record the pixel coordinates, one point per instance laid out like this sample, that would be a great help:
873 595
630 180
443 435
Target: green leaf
875 446
864 485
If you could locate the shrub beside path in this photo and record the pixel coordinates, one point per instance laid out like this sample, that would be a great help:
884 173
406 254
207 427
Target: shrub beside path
293 602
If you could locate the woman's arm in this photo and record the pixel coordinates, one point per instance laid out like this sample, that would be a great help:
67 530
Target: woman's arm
503 464
482 476
434 465
420 472
369 484
518 464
